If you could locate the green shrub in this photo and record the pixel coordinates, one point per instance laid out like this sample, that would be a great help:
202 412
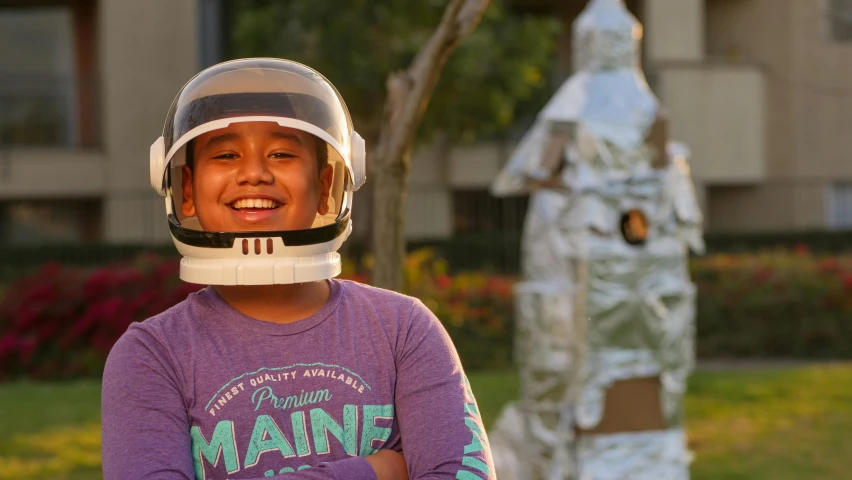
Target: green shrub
774 304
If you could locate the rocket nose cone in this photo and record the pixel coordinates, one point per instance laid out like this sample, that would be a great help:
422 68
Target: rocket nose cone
606 36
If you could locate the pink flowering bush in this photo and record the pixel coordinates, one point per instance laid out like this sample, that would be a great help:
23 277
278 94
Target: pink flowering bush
62 322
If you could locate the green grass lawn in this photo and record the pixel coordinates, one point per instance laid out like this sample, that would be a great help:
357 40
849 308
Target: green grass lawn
785 424
50 431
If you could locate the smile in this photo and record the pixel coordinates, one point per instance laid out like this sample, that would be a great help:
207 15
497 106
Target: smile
255 204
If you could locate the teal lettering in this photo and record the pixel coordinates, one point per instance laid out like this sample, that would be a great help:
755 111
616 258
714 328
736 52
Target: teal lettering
265 394
322 423
300 434
468 391
476 443
475 463
259 444
465 475
473 423
369 430
350 423
222 443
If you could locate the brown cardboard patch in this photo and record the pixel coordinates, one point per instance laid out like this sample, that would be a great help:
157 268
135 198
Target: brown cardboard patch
631 406
658 138
554 152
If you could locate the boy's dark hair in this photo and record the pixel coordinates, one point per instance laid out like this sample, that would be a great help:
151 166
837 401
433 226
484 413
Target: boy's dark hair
321 151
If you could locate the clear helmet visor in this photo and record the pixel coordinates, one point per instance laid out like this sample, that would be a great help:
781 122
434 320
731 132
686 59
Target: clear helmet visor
272 95
262 188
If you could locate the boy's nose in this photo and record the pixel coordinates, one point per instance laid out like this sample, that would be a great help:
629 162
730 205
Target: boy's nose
254 170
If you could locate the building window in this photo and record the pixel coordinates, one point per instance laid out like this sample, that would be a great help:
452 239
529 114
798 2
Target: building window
27 222
477 211
839 14
839 206
47 66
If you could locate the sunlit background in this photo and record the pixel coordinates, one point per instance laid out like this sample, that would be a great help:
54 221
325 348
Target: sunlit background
760 90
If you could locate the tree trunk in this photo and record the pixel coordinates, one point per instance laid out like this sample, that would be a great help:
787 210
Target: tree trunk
408 96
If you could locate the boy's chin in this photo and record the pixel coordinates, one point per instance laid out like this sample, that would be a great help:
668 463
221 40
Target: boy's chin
241 222
259 227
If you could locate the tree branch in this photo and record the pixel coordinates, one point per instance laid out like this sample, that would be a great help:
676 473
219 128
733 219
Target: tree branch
410 101
408 96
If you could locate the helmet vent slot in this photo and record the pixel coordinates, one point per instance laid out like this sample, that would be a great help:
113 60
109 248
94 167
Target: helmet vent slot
257 246
245 247
269 246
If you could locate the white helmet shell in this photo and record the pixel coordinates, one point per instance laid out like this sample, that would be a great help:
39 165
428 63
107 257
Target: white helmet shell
260 90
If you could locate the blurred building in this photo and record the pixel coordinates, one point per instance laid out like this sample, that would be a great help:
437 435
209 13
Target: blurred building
84 90
761 90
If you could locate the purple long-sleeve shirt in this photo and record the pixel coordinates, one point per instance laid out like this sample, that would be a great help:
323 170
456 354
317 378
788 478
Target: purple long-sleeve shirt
203 391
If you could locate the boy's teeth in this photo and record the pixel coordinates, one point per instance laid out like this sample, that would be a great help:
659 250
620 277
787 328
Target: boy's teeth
255 203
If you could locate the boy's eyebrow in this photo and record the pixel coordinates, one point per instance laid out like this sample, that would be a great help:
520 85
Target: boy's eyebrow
288 136
222 137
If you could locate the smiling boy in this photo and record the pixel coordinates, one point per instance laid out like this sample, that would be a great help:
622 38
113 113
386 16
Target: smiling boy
277 369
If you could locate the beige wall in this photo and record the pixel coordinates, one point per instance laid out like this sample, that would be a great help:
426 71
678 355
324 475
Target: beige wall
756 32
141 73
476 166
51 173
748 208
429 208
428 212
820 85
723 125
435 172
774 206
674 30
808 77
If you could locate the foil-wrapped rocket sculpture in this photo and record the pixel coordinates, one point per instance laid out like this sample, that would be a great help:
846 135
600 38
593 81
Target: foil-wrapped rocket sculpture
606 302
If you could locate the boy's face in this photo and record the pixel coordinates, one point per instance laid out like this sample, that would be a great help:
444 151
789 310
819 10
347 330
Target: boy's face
255 176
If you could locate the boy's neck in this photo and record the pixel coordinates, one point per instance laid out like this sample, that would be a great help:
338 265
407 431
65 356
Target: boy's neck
277 303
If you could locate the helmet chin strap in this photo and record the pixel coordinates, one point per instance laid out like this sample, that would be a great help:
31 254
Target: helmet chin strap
261 260
285 271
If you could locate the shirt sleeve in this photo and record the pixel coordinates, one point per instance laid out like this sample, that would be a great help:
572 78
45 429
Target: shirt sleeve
441 431
146 431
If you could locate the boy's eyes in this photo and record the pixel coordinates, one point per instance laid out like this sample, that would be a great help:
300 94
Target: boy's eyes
233 156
